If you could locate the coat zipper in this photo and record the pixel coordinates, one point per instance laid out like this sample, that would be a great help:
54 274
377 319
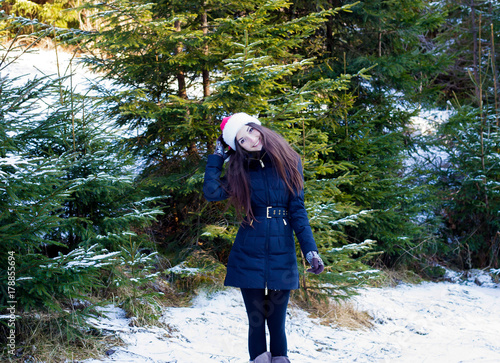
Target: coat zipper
268 222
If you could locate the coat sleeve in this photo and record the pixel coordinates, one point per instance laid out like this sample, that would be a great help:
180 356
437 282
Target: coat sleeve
214 187
300 222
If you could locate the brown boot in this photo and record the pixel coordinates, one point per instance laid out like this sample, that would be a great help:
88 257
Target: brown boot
280 359
263 358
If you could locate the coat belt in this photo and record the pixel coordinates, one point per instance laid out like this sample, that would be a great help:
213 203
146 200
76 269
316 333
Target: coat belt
271 212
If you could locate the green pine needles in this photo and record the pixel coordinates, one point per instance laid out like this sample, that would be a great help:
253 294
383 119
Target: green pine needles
68 201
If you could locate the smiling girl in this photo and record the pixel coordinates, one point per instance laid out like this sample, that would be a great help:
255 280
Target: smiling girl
264 182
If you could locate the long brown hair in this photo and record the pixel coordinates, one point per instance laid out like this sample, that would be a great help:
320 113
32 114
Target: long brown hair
284 158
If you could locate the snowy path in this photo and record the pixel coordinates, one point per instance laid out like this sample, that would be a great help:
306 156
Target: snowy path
431 322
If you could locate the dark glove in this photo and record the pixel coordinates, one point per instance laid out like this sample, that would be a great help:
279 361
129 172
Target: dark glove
220 147
316 262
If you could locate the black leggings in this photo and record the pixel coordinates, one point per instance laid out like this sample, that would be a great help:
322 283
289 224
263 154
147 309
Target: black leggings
261 308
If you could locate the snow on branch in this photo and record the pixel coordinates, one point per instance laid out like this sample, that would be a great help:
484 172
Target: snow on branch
352 218
366 244
81 258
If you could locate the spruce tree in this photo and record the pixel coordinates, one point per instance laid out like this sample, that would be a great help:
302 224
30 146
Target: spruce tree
468 175
458 157
67 196
369 125
261 82
254 67
469 182
155 55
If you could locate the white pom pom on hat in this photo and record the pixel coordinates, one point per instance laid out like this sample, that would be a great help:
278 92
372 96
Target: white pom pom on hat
232 124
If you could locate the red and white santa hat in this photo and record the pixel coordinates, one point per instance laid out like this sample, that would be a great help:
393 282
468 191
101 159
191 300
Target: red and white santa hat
232 124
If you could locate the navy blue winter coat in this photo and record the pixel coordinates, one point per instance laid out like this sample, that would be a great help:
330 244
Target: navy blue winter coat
263 254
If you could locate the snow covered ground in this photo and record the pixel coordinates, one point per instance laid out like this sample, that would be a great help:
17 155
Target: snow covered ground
429 322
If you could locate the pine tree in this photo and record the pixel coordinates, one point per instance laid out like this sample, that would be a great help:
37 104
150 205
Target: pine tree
261 82
368 125
469 186
160 54
155 54
67 196
254 67
465 176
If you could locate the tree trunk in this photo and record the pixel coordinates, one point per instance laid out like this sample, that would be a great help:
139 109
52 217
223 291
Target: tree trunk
181 78
495 72
475 62
205 71
329 36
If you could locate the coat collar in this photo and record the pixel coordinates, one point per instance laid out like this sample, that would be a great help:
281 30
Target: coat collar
259 159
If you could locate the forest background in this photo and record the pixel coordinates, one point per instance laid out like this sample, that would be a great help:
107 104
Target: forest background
101 191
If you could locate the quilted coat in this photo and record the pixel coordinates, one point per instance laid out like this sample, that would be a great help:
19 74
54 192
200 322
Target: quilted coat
263 254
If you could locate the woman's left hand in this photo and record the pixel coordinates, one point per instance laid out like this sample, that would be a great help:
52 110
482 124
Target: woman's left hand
316 262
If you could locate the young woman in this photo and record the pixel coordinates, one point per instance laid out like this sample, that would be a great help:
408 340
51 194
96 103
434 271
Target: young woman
264 182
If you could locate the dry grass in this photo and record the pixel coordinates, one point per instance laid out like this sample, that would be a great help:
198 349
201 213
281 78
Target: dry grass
343 314
52 337
394 277
210 276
